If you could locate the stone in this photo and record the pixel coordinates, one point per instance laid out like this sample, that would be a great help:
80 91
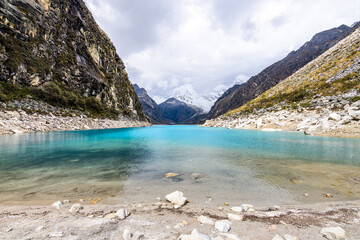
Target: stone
237 209
196 176
94 201
170 175
122 214
205 220
39 228
176 198
355 115
230 236
66 201
56 234
243 208
127 235
289 237
223 225
334 116
235 217
277 237
333 233
138 236
75 208
110 216
57 205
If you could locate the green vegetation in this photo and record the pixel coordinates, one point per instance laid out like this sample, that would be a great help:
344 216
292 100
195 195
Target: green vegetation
57 94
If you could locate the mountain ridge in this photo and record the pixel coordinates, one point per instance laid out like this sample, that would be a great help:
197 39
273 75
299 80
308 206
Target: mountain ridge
273 74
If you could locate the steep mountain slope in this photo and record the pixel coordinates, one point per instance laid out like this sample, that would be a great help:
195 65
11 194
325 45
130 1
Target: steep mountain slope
178 112
322 98
55 52
241 94
150 107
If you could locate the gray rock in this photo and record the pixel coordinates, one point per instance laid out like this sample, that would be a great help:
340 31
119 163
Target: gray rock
335 117
75 208
177 198
122 214
205 220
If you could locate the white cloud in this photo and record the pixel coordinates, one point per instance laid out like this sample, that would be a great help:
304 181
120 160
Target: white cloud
207 43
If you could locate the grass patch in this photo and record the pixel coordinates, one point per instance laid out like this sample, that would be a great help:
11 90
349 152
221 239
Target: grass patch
57 94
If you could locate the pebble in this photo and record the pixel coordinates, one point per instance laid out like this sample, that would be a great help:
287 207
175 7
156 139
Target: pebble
57 205
122 214
235 217
75 208
39 228
170 175
195 235
176 198
205 220
223 225
277 237
289 237
56 234
66 201
127 235
333 233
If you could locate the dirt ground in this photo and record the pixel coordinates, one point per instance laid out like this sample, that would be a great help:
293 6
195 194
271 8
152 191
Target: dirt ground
162 221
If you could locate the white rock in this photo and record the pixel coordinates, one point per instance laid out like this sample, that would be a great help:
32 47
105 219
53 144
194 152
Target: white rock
57 204
66 201
335 117
75 208
177 198
289 237
122 213
230 236
237 209
56 234
138 236
195 235
333 233
235 217
127 235
277 237
355 115
247 207
223 225
205 220
39 228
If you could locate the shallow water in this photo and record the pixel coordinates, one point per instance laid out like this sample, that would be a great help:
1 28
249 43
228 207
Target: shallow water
128 166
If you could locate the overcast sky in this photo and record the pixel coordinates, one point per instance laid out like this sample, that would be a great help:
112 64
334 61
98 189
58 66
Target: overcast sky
211 43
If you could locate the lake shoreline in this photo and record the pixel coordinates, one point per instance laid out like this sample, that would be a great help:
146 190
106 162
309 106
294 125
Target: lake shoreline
160 220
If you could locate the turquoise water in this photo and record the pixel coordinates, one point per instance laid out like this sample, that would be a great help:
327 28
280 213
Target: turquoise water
128 165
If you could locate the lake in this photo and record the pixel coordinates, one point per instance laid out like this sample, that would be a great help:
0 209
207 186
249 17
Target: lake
129 166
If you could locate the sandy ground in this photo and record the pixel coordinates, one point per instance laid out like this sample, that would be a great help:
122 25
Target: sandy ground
165 222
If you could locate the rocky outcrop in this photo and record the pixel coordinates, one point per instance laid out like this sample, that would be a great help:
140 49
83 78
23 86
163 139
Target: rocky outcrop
27 115
322 98
54 51
178 112
150 107
238 95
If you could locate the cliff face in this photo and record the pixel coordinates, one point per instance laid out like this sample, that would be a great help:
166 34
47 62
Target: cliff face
272 75
151 109
178 112
54 51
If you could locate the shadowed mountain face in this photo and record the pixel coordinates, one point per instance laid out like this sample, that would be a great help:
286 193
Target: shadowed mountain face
150 107
178 112
55 52
238 95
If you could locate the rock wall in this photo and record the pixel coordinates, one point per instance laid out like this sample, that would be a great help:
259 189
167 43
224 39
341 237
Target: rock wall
58 41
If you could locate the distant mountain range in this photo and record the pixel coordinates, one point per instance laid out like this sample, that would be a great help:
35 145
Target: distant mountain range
186 106
238 95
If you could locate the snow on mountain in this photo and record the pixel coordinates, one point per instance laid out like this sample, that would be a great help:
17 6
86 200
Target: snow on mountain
187 94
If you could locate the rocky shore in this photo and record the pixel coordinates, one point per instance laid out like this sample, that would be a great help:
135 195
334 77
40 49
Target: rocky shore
335 116
27 116
174 217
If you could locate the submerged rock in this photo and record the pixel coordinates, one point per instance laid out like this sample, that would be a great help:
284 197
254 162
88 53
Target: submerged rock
196 176
171 175
177 198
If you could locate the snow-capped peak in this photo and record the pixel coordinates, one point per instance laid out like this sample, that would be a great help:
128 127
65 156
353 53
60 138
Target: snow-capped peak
187 94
